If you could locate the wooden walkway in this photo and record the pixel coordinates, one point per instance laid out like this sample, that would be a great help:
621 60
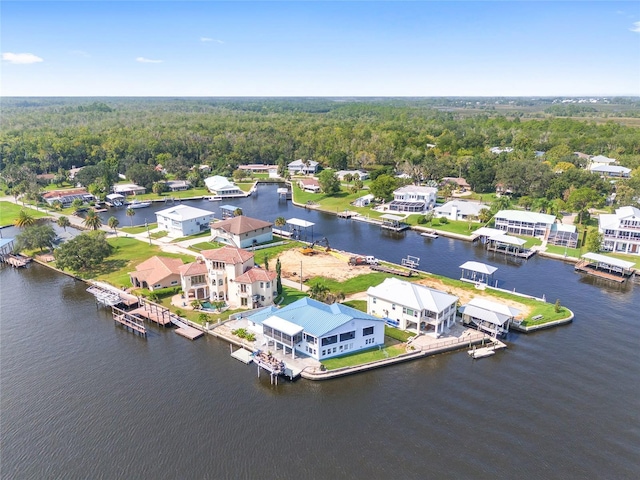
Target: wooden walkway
126 319
153 312
586 267
14 261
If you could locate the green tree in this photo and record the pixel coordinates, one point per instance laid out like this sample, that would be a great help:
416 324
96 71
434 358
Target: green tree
383 187
318 291
77 205
266 262
143 175
581 199
113 223
280 222
237 212
278 277
159 188
593 242
92 220
84 252
63 222
329 183
131 213
36 236
557 307
25 219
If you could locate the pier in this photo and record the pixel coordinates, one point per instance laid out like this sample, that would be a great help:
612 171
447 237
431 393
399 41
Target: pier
270 363
605 267
129 321
393 223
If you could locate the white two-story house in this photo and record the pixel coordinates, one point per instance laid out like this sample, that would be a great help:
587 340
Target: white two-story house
519 222
241 231
183 220
621 230
410 306
413 199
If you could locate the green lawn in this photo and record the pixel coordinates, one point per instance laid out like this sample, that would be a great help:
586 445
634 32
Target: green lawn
198 247
353 285
193 192
205 233
128 252
454 226
357 304
400 335
138 229
571 252
290 295
10 211
245 187
388 351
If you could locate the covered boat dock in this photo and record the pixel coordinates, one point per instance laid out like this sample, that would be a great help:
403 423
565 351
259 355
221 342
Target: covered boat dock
228 211
487 316
476 272
605 267
298 228
393 222
509 245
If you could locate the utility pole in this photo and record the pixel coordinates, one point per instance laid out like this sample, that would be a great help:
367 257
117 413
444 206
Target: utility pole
300 275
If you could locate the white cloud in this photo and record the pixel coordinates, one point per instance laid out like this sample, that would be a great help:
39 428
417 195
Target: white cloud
80 53
147 60
21 58
636 27
209 39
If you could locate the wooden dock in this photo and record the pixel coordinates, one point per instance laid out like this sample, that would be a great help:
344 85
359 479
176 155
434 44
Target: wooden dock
15 261
154 313
584 266
129 321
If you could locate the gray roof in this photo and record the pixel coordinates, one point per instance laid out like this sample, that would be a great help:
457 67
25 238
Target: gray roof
479 267
596 257
412 295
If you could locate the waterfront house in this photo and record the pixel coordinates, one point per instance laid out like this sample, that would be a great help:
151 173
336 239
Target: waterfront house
317 330
157 272
621 230
178 185
303 167
563 235
487 316
221 186
459 210
231 276
600 160
194 280
363 201
411 306
242 231
129 189
254 288
413 199
310 185
520 222
66 197
183 220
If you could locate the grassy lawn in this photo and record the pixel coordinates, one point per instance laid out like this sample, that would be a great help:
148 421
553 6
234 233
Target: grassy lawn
367 356
10 211
128 252
193 192
353 285
400 335
357 304
139 229
203 234
245 187
198 247
571 252
626 258
454 226
273 252
290 295
159 234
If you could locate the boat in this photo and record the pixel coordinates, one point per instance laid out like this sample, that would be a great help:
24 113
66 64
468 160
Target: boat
431 234
138 204
481 352
214 198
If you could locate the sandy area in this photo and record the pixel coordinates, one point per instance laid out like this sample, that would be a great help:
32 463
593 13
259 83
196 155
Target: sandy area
335 265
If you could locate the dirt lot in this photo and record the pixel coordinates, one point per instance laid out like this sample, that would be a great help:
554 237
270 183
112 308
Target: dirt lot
335 265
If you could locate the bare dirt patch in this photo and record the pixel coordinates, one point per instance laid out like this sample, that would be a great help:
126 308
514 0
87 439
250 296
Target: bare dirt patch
332 265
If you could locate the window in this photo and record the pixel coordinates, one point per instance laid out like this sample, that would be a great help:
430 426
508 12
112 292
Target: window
373 300
347 336
175 282
329 340
367 331
243 301
310 339
393 306
261 284
243 288
334 349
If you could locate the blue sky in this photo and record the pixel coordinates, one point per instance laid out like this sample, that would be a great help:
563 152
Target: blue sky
306 48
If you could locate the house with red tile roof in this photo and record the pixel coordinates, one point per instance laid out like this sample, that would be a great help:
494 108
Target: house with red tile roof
157 272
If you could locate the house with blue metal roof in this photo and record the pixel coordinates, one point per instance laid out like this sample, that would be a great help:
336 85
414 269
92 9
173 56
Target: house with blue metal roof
316 329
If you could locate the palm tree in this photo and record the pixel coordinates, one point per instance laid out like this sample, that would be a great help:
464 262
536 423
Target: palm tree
92 220
113 222
63 222
280 222
318 291
76 205
237 212
130 213
24 219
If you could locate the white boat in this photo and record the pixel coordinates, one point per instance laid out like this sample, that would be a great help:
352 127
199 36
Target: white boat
214 198
429 234
138 204
481 352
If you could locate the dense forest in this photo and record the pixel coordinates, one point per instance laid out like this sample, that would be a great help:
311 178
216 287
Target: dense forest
426 138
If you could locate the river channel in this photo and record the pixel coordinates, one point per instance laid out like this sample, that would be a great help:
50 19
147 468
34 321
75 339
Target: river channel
83 398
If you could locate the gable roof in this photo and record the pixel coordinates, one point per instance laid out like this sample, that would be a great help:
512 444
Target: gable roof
301 163
227 254
256 274
156 269
412 295
316 318
241 224
463 207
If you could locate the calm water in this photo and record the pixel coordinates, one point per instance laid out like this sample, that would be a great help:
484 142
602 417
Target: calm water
82 398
